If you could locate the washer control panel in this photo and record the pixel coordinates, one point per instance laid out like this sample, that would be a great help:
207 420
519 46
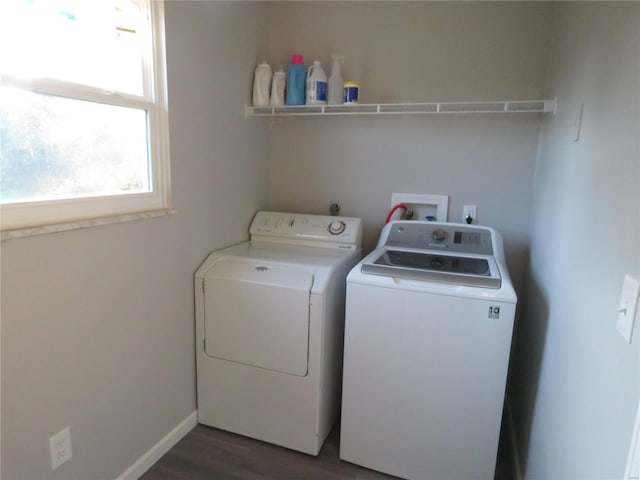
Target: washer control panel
301 228
439 236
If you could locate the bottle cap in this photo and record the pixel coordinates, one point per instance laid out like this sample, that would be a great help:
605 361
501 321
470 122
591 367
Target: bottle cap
297 59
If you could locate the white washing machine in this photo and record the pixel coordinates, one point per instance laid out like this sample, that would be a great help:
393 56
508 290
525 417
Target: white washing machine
269 329
429 319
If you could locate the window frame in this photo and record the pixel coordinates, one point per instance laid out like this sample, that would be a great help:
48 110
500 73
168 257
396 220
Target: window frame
22 215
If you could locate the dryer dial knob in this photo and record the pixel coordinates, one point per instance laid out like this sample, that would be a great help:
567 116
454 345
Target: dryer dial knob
336 228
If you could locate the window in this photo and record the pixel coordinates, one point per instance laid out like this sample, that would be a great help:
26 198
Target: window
83 110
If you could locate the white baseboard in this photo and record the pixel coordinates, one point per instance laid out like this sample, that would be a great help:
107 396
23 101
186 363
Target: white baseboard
146 461
515 452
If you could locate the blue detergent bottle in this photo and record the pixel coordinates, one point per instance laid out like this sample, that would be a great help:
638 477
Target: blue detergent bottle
296 77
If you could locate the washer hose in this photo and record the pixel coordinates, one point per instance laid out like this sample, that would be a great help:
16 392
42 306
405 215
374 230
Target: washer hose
393 210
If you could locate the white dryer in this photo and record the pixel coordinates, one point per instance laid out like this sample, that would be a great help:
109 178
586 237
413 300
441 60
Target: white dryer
428 326
269 329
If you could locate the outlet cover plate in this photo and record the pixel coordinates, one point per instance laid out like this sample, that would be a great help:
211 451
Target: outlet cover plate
60 448
469 210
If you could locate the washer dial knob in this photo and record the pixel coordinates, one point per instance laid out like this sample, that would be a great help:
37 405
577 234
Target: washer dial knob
439 235
336 228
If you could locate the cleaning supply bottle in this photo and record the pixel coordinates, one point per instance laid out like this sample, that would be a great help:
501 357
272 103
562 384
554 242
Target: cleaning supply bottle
336 84
296 81
277 87
262 84
316 85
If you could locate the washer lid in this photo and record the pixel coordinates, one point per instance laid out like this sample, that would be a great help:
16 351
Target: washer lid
470 270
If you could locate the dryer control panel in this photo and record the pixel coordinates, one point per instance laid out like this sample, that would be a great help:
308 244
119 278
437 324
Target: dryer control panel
307 229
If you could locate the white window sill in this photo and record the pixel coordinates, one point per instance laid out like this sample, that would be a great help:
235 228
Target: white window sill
78 224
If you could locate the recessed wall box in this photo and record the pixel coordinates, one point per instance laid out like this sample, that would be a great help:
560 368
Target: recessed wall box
422 206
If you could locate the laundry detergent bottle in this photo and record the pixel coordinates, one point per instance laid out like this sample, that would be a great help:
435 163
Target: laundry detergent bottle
296 75
262 84
316 85
278 87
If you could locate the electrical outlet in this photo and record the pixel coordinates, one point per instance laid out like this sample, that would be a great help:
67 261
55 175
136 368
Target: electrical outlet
469 212
60 448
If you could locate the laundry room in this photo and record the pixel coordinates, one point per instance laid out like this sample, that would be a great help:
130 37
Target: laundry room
98 329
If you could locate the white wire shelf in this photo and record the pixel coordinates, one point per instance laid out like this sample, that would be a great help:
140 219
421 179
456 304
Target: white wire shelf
519 106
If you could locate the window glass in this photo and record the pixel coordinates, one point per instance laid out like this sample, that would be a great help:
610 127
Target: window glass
54 147
99 43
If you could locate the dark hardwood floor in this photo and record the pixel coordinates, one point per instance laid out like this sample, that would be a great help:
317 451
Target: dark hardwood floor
212 454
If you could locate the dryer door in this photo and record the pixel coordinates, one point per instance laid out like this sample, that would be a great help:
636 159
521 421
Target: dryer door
257 314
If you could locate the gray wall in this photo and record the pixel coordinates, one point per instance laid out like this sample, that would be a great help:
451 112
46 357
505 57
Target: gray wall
97 324
575 385
415 52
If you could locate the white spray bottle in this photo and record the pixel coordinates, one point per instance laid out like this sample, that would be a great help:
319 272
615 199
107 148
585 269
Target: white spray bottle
336 84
